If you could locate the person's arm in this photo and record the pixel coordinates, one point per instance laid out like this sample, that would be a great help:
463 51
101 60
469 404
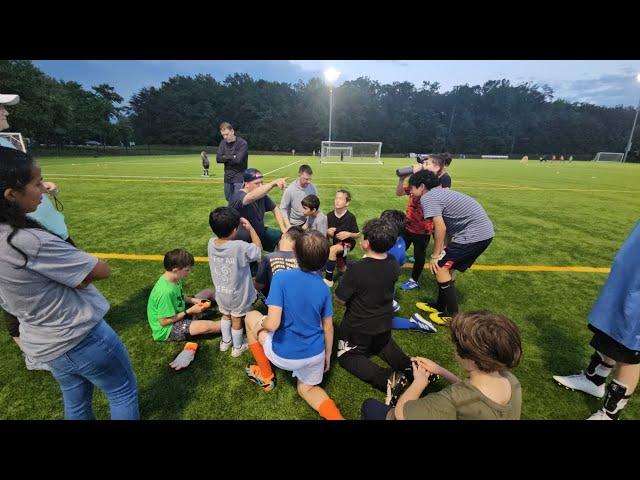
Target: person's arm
283 221
260 192
241 154
221 155
433 367
99 272
274 317
346 288
196 308
327 327
439 235
400 187
420 382
255 239
345 235
285 203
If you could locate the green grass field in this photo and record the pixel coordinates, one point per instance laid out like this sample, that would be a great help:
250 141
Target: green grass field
553 214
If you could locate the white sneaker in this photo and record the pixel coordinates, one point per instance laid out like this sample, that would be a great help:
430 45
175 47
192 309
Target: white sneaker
396 307
600 415
224 346
236 352
582 383
328 283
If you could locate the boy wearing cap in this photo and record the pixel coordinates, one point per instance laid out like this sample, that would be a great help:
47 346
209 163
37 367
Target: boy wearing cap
252 201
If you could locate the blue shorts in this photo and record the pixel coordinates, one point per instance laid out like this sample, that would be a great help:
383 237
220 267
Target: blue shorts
460 256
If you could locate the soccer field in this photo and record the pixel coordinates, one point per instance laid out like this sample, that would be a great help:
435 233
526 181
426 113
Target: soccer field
552 214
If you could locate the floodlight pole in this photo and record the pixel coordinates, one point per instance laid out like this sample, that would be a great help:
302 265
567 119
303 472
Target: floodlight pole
629 143
330 110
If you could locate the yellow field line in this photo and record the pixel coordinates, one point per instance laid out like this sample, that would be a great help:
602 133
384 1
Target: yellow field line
511 268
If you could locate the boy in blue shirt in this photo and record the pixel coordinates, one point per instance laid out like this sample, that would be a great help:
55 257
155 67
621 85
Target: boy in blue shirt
297 332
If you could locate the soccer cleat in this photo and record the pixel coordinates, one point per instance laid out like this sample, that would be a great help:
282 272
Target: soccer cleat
582 383
410 284
236 352
396 384
439 318
255 375
427 307
224 346
600 415
396 307
422 323
328 283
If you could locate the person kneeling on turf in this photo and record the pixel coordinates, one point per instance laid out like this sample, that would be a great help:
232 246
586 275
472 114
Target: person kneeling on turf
297 332
167 312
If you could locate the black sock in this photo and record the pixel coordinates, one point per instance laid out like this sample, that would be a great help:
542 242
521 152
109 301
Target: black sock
615 399
329 268
598 370
447 298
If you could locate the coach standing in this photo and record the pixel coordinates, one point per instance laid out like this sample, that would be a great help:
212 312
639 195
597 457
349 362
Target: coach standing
234 153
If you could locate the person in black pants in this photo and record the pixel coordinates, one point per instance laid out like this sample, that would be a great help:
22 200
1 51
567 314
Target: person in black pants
367 289
233 152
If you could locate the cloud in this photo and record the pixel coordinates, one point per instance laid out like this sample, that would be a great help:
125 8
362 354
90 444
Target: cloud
607 90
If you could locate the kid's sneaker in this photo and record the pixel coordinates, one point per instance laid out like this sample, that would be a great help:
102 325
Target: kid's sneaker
396 307
255 375
396 384
236 352
410 284
582 383
440 318
422 323
224 346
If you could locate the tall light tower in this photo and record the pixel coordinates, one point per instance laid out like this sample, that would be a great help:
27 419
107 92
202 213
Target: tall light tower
626 152
331 75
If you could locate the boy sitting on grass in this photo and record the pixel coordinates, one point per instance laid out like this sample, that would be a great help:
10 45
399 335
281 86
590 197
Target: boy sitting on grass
229 262
367 290
315 219
297 332
343 229
170 313
487 347
284 258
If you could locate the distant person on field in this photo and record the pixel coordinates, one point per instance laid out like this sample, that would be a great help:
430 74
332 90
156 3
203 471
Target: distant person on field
233 152
205 163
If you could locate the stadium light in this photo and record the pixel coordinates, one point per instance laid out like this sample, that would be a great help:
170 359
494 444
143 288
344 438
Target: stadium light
331 75
629 143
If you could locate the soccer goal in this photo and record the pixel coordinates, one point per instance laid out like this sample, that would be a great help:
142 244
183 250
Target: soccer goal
608 157
351 152
15 139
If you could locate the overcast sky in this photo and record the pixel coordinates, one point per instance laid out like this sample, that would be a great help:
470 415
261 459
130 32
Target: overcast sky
602 82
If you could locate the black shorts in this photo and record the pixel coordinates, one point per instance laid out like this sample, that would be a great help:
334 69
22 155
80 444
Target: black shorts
460 256
612 348
180 331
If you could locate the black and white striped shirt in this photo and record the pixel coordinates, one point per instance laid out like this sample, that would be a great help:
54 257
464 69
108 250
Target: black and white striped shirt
464 217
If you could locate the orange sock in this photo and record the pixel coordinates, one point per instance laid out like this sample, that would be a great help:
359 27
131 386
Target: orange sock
261 359
328 410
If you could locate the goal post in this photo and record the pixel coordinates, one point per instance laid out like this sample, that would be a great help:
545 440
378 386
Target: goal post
608 157
14 139
351 152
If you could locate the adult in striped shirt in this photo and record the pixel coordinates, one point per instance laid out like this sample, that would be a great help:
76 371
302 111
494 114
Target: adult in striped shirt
463 219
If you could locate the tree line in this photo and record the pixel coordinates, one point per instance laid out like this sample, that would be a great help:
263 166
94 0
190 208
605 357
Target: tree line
497 117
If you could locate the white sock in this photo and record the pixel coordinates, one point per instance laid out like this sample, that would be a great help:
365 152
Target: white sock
237 337
225 329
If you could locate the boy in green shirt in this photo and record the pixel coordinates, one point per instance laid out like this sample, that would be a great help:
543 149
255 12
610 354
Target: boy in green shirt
170 312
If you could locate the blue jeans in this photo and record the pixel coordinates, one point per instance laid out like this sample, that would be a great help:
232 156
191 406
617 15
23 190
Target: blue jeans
100 359
230 188
374 410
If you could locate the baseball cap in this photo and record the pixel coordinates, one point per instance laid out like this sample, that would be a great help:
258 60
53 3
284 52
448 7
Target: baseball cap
251 174
9 99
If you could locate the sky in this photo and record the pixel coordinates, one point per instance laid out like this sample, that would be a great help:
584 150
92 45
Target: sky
601 82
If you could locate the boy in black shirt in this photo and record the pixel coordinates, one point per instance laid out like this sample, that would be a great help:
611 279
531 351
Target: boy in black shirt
343 229
367 289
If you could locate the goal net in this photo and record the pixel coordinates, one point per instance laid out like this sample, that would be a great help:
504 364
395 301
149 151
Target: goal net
608 157
13 139
351 152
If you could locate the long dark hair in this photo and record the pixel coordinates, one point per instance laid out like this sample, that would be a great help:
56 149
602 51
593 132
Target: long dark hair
15 173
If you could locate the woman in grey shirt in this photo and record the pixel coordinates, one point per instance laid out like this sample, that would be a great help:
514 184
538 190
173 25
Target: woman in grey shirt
47 284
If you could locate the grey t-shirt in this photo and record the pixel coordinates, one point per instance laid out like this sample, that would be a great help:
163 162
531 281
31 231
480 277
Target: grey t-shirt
464 217
290 203
319 223
231 274
54 315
